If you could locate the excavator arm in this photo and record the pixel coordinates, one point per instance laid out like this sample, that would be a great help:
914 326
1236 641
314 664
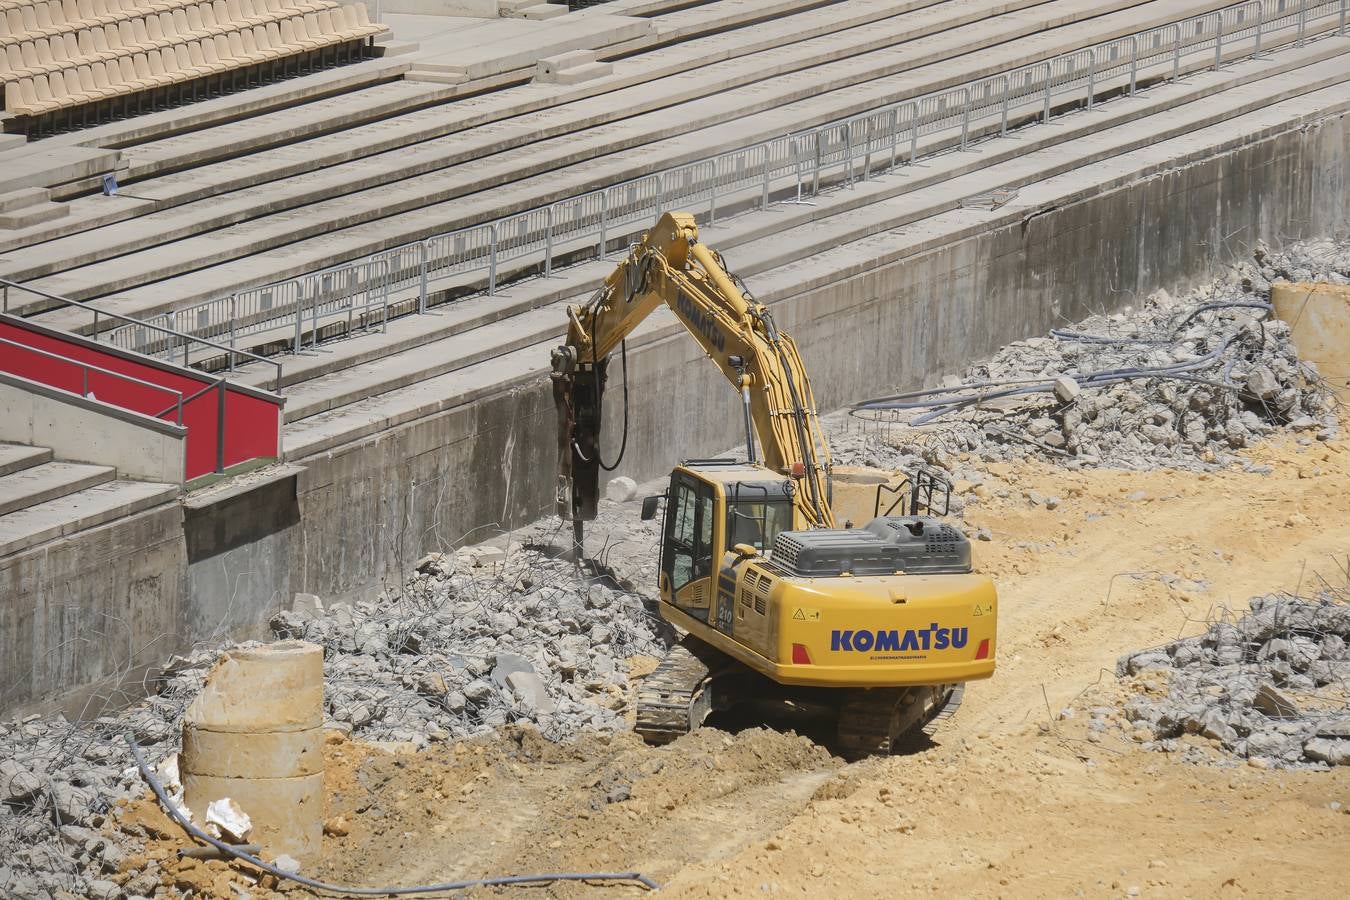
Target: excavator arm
669 266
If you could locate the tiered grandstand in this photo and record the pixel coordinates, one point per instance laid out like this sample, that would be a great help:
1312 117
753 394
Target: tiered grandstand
388 244
69 62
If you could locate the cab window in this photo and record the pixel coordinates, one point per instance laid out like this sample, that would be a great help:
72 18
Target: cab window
690 536
757 522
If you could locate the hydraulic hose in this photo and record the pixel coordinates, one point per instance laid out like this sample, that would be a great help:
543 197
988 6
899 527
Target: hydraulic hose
252 860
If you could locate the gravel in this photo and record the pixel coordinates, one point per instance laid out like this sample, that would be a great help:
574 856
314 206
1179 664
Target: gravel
478 639
1174 382
1272 686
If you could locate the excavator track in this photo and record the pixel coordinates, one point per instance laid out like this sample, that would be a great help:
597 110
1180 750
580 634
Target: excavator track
872 720
675 698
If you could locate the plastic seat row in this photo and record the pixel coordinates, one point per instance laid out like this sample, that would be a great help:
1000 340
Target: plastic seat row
57 17
157 77
102 43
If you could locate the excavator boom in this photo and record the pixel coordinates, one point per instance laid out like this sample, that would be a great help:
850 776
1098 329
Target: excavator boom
670 267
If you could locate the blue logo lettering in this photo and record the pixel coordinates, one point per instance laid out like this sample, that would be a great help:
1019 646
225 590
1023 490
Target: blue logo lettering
934 637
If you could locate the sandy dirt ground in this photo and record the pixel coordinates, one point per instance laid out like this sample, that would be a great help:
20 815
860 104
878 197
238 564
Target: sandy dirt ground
1009 799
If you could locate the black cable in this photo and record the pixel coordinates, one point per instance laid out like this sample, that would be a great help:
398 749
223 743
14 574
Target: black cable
623 445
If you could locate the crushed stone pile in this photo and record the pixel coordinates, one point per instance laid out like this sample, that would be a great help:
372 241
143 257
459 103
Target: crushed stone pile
59 781
477 639
1175 382
1272 686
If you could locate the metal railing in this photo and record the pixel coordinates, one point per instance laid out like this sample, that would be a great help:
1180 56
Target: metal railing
795 165
85 368
175 342
357 292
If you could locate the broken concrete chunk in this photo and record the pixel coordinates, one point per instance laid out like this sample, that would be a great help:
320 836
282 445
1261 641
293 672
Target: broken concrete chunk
1066 389
621 489
1275 703
1262 383
1332 751
17 784
232 822
529 687
506 664
477 691
307 605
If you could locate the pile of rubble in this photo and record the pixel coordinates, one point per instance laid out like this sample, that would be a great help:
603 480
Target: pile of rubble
58 783
1272 686
471 641
1180 383
477 639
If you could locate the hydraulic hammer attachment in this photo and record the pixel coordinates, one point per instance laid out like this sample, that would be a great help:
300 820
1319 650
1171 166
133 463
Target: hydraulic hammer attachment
578 391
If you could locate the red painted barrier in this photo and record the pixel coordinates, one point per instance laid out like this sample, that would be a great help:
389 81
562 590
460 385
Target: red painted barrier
226 423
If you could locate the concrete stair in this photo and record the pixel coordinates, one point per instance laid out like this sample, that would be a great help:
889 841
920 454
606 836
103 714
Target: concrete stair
571 68
41 499
538 10
341 129
15 457
29 206
48 481
76 512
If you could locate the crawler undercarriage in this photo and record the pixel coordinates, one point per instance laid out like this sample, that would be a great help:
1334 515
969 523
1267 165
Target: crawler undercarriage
694 681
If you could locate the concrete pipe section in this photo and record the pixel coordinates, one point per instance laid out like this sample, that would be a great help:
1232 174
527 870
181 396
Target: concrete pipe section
255 735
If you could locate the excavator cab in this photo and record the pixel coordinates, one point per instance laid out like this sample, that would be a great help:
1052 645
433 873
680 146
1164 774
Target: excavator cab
716 507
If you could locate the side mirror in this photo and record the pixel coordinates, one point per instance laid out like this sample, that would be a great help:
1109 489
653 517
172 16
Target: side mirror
650 505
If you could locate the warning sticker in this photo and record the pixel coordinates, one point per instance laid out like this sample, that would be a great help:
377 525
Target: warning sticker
806 614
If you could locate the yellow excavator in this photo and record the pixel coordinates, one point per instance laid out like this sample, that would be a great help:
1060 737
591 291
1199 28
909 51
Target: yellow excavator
882 625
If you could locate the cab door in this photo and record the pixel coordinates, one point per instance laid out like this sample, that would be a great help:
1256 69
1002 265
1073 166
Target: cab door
687 549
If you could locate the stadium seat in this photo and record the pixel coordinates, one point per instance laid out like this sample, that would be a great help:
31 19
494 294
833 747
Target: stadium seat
92 59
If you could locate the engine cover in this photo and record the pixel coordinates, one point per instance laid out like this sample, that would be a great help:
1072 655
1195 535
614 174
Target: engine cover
927 544
825 553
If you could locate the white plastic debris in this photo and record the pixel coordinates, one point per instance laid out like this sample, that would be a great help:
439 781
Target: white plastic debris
229 819
167 773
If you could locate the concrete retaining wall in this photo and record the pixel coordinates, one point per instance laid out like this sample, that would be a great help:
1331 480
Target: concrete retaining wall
82 617
369 509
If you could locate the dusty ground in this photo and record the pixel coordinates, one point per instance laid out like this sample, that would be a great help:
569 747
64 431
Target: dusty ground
1009 800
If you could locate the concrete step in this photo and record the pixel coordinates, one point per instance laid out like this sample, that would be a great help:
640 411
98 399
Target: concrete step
16 457
514 8
48 481
24 198
83 509
576 74
37 214
511 44
186 154
68 162
757 113
476 329
543 12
